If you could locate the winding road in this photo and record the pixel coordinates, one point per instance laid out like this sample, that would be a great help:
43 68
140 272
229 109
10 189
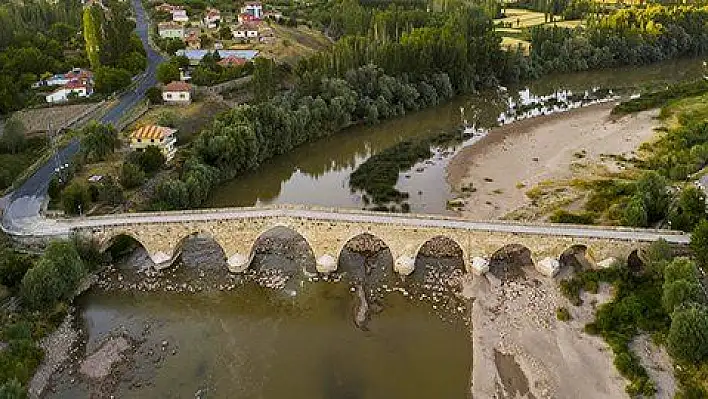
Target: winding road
22 210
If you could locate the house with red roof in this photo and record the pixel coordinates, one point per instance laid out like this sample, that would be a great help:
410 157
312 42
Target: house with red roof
177 93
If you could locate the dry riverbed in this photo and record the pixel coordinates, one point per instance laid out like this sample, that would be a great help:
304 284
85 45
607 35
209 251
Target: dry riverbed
502 167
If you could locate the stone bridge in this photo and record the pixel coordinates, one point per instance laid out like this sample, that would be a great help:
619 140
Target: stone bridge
327 231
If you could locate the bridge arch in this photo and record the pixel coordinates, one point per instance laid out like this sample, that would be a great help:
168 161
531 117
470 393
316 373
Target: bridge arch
120 243
178 250
367 245
511 261
441 246
293 244
577 258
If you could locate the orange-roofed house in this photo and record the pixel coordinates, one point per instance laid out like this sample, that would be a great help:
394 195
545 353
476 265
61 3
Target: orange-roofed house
177 93
161 137
232 61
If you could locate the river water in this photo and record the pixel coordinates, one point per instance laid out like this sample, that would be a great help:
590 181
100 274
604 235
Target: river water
318 173
247 341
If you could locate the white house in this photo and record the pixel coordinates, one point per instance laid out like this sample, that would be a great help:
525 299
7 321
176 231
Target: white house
212 19
74 88
179 15
152 135
170 30
177 93
76 74
245 31
253 8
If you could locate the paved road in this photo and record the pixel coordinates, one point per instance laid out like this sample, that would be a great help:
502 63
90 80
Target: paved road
22 212
63 227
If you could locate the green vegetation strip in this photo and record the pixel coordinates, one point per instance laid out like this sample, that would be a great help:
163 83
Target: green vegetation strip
662 97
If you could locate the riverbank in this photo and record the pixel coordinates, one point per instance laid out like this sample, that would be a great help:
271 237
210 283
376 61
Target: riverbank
497 173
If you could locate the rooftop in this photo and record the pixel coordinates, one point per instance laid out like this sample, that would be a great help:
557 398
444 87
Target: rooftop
199 54
177 86
152 132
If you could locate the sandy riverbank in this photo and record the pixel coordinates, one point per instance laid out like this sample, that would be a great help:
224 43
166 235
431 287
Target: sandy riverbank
514 158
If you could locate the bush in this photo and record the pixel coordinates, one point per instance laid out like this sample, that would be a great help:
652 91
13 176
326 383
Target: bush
12 389
150 160
688 335
109 192
110 79
563 216
680 292
154 95
563 314
690 210
699 243
680 269
13 267
54 277
76 198
131 175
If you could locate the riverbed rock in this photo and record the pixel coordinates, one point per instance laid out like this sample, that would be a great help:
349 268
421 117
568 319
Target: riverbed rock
326 264
237 263
479 265
549 267
98 364
606 263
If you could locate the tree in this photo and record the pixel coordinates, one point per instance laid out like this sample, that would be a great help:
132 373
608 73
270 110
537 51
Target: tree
690 210
225 33
635 213
54 277
109 79
12 389
167 72
109 192
99 141
680 268
13 136
699 243
13 267
688 335
131 175
150 160
154 95
681 292
76 198
652 188
92 34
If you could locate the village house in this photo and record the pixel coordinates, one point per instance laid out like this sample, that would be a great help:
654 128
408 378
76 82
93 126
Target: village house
253 9
170 30
212 19
180 15
166 7
161 137
76 74
245 31
75 88
232 61
177 93
193 41
195 56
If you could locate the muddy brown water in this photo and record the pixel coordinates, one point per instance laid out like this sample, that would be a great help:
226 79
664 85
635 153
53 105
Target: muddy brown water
318 173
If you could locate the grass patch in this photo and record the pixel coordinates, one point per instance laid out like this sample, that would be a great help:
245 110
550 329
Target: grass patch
13 165
563 314
563 216
662 97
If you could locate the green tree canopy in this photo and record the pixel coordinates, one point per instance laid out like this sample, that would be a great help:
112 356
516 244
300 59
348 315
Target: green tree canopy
54 277
76 198
699 243
690 210
681 292
13 136
688 335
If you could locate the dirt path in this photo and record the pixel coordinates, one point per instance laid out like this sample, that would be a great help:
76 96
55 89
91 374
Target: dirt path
514 158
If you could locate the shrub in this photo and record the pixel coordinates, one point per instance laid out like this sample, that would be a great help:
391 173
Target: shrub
12 389
563 314
13 267
76 198
131 175
150 160
680 269
699 243
54 276
679 292
563 216
154 95
688 335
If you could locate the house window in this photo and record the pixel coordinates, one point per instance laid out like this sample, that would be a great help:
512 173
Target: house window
182 95
152 140
169 95
140 140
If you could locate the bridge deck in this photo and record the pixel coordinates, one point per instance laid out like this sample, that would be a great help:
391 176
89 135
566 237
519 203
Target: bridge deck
411 220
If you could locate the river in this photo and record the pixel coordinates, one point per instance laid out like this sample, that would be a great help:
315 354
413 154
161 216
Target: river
318 173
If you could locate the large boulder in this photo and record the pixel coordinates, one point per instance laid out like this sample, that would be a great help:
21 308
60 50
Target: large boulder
607 263
479 265
326 264
237 263
549 267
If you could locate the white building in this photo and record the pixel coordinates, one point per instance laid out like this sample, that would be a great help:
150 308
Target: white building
177 93
253 8
179 15
212 19
170 30
76 88
245 31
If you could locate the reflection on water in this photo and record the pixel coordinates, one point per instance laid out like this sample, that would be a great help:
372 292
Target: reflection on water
259 343
318 173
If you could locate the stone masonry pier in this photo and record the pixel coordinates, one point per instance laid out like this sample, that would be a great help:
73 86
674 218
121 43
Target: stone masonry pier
327 231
